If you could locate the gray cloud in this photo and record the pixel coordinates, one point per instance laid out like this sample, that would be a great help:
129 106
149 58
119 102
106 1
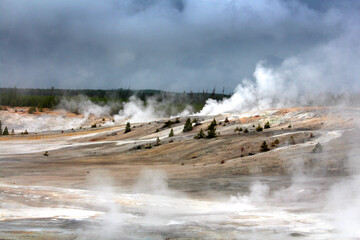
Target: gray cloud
171 45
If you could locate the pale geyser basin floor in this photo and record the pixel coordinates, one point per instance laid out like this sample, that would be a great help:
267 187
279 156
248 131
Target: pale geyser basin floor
99 185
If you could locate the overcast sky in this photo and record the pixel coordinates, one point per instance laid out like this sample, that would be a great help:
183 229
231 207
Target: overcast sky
160 44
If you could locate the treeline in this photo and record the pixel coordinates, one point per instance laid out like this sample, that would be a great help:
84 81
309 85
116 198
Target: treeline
50 98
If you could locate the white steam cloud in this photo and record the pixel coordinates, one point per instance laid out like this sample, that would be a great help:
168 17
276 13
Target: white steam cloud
84 106
300 80
136 111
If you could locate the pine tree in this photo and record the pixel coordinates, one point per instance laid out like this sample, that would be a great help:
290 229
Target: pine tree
226 120
259 128
171 134
264 147
158 142
214 122
32 110
318 148
201 134
292 140
127 128
0 128
168 124
267 125
246 130
188 125
211 131
6 131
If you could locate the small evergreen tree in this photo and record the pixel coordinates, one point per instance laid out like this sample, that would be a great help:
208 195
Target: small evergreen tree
246 130
201 134
0 128
267 125
177 120
259 128
158 142
171 134
32 110
127 128
167 124
292 140
318 148
226 120
6 131
276 141
289 125
188 125
12 131
214 122
264 147
211 131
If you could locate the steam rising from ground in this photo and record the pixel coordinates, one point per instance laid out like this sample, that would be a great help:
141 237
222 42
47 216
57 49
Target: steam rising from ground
309 78
136 111
83 105
153 210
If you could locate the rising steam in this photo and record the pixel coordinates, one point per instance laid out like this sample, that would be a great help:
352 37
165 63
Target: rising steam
310 78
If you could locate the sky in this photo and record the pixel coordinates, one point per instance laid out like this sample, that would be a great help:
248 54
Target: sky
174 45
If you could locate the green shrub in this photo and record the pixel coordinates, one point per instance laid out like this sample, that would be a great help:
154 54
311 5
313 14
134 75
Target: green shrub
211 131
127 128
259 128
267 125
201 134
167 124
264 147
158 142
171 134
188 125
318 148
214 122
246 130
6 131
32 110
292 140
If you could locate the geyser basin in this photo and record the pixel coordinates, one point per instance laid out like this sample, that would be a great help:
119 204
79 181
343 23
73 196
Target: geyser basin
269 207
